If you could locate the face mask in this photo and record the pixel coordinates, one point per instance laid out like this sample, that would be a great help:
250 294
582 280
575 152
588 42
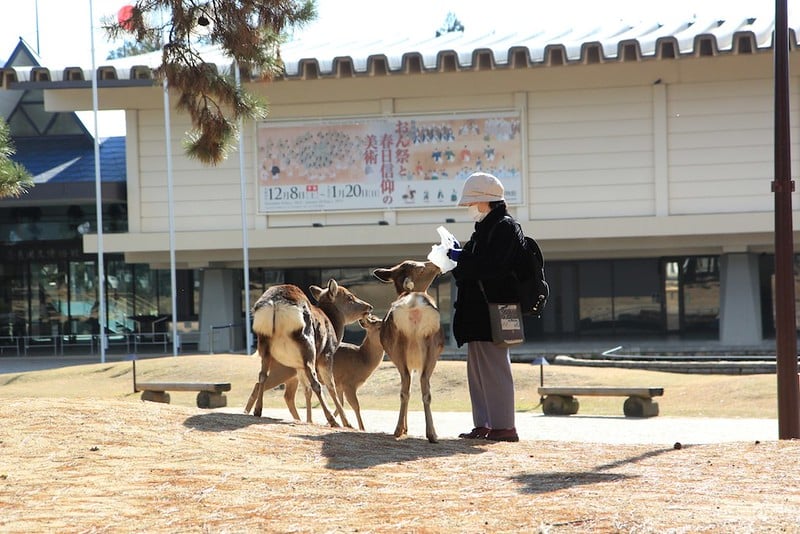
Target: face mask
476 215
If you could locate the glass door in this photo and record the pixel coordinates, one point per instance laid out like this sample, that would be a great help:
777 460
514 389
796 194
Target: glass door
672 304
50 302
83 303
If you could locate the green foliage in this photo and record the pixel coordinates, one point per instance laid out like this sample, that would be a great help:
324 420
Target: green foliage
248 31
14 179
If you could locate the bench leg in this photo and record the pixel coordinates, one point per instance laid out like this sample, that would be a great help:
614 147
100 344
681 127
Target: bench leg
640 407
560 405
207 399
155 396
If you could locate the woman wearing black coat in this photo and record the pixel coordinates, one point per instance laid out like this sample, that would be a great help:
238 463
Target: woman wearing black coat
488 258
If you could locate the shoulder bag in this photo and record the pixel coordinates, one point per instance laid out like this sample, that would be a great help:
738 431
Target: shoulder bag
506 321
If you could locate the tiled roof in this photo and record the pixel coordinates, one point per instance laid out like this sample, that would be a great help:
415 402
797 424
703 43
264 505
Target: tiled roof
309 58
71 159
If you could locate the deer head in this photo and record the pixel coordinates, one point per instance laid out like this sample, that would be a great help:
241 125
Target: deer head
409 275
341 299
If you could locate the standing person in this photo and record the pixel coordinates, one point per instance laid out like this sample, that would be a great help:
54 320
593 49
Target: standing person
487 260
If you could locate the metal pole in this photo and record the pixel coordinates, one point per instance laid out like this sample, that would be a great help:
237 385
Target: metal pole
785 325
36 8
171 212
98 197
245 244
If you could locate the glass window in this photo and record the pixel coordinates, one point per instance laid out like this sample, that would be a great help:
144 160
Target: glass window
619 297
164 291
637 306
595 303
700 286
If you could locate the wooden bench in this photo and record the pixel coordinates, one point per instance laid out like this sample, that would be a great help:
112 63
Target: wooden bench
210 393
560 400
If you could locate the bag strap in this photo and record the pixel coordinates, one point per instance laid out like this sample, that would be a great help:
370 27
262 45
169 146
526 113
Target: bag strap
483 291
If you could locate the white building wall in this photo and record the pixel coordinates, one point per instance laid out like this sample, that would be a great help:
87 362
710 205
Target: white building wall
591 153
721 147
205 197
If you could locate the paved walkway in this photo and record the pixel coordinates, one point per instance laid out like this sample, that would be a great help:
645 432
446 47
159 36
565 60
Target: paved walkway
591 429
663 430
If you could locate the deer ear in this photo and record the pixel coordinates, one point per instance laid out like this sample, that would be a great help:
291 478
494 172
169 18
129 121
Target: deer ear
384 275
333 287
315 291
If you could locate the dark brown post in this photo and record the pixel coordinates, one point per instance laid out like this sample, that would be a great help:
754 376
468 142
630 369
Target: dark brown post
785 329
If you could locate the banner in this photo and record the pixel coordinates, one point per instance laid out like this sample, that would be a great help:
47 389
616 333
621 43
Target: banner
398 163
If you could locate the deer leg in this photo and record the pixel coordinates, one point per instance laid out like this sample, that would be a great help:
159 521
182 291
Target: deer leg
252 399
405 386
353 400
425 386
303 382
257 394
313 381
307 392
331 385
307 349
259 390
289 394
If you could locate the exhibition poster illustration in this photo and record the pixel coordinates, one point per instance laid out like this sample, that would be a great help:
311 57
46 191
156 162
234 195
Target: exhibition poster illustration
393 163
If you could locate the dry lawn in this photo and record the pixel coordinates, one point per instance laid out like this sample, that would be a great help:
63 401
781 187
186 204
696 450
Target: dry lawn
690 395
79 452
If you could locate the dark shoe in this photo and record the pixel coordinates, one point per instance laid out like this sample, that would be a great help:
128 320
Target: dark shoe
503 434
476 433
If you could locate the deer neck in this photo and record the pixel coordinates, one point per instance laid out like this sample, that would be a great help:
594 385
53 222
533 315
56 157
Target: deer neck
336 318
372 347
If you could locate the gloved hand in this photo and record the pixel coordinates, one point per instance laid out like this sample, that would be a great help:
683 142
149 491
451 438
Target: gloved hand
454 253
456 244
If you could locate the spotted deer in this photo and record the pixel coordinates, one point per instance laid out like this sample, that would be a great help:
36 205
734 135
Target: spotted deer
411 334
352 366
302 336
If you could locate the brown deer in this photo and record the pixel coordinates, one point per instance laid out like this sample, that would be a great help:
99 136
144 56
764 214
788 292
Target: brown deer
352 366
299 335
412 334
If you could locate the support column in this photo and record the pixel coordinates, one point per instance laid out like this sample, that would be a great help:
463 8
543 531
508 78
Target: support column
740 302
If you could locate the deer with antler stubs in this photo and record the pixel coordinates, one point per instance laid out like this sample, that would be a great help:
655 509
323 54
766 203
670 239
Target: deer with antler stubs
304 337
412 334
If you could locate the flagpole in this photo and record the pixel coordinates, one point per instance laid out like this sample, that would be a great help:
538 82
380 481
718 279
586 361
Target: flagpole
171 210
36 9
245 244
98 195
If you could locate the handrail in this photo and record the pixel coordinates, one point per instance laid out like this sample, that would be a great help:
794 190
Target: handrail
230 328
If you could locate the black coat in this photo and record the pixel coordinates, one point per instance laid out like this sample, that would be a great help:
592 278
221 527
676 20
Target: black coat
492 263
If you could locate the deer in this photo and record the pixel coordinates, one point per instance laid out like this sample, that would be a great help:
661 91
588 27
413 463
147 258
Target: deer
302 336
412 335
352 366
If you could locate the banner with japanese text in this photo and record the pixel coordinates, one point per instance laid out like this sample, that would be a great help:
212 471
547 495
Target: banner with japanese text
405 162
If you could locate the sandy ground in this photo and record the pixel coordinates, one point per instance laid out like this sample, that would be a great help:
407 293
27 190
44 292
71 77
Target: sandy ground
108 465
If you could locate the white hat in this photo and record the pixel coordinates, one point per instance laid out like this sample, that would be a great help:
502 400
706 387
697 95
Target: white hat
481 187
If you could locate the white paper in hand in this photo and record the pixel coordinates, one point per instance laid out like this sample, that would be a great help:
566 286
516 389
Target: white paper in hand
438 253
